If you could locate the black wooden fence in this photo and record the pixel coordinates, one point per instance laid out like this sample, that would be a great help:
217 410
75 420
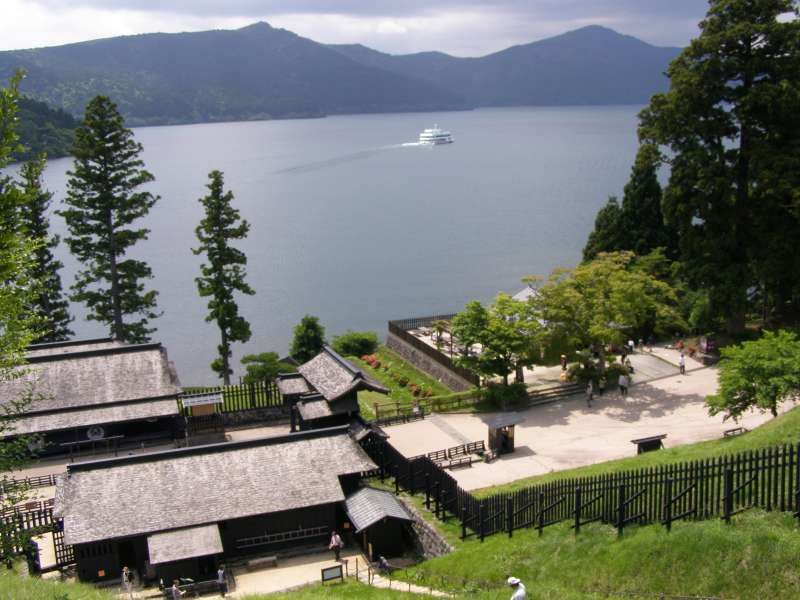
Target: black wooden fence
242 397
717 487
401 328
36 522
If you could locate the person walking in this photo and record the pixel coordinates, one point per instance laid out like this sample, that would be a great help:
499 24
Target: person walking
177 594
222 583
601 385
682 364
563 362
623 385
589 394
127 581
336 545
519 589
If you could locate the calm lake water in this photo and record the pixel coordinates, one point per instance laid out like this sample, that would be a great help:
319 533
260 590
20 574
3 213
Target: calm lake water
351 225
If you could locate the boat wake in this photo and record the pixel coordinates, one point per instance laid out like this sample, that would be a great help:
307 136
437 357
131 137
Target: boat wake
344 158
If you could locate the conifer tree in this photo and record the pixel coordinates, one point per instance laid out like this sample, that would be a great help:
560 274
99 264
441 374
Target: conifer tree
104 199
309 338
224 273
49 305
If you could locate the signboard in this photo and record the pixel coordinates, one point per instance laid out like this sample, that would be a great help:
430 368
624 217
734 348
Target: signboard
331 573
201 399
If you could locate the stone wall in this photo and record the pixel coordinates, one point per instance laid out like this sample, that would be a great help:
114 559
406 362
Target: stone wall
427 364
428 542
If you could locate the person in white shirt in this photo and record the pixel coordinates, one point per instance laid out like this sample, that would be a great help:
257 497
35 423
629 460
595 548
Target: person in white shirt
682 364
519 589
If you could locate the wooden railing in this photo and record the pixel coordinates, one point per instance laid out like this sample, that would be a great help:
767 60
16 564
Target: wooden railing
245 396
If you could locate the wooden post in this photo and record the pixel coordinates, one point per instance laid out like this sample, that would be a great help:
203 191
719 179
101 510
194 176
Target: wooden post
668 505
480 521
383 462
727 505
428 491
578 510
464 522
510 515
541 513
621 509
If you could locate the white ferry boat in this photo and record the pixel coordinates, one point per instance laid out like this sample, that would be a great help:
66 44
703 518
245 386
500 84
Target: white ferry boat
435 136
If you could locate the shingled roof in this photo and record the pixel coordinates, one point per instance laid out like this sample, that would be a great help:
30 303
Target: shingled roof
161 491
73 375
179 544
367 506
320 408
333 376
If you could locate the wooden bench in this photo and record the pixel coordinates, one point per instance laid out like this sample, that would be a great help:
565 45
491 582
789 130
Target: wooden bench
489 455
456 451
648 444
262 561
460 461
476 448
734 431
439 456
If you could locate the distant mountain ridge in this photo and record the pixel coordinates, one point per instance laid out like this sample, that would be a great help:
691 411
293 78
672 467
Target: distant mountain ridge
260 72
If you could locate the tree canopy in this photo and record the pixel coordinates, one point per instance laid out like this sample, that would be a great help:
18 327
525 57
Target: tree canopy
308 340
104 198
730 131
606 301
49 303
760 374
508 332
224 272
265 366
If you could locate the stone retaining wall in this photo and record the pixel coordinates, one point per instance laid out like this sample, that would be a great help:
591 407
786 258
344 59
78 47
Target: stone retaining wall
429 543
427 364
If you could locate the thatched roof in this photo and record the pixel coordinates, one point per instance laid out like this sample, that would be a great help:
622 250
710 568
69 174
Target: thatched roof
334 377
185 487
103 375
87 417
320 408
368 506
180 544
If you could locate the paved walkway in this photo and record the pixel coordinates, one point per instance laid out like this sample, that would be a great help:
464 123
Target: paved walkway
567 434
437 420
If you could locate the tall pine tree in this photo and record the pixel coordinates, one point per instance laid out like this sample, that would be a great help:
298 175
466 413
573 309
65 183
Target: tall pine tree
731 126
49 305
224 272
104 199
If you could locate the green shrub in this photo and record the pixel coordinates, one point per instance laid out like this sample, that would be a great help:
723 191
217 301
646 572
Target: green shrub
503 395
355 343
614 370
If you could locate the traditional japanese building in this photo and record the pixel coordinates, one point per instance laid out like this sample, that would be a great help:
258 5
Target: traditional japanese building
95 392
324 391
176 512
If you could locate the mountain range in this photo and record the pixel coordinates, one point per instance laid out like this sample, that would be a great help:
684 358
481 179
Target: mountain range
260 72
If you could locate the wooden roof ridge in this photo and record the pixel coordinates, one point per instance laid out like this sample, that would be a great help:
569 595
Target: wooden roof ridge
127 349
343 361
68 343
206 449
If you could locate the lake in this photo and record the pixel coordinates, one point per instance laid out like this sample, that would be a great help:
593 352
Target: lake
352 224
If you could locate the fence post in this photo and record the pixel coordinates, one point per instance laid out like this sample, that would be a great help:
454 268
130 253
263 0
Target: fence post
578 510
727 505
541 514
464 522
383 462
428 491
510 514
668 505
621 509
480 520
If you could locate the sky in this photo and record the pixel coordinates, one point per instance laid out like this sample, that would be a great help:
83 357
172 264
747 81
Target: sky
458 27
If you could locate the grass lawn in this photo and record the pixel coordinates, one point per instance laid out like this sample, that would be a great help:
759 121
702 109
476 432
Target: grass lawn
397 394
14 587
754 557
784 429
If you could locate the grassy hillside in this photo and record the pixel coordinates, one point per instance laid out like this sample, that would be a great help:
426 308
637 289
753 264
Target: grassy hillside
784 429
353 590
14 587
754 557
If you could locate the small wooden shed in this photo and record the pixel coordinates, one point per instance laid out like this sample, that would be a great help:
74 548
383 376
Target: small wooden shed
501 432
380 522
